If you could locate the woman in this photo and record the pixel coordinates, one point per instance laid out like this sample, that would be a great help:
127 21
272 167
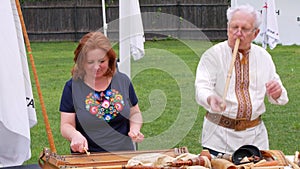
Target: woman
99 107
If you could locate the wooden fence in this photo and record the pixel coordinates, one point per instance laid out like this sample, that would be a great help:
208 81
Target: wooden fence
62 20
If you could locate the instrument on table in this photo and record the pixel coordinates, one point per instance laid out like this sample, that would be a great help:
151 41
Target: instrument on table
109 160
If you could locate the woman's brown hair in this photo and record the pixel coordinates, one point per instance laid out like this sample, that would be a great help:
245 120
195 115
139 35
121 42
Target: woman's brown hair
91 41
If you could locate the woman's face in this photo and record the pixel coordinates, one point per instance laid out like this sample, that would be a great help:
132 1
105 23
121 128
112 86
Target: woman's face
241 26
96 64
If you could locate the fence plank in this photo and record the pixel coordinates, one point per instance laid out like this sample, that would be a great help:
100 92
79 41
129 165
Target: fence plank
65 20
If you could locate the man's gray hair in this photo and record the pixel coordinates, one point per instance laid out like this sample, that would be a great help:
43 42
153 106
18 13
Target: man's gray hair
247 9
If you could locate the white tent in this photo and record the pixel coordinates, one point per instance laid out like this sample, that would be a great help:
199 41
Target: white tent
288 17
17 113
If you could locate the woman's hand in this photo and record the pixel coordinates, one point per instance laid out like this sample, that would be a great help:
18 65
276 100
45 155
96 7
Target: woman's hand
79 143
68 131
136 135
136 122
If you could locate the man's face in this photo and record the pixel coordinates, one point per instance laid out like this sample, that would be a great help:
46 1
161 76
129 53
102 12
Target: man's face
241 26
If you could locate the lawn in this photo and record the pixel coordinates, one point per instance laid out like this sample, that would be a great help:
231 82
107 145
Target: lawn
164 83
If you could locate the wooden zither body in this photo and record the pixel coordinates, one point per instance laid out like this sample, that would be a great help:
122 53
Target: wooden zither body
115 160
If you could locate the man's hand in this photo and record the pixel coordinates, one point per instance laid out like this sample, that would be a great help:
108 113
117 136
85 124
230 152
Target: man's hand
273 89
216 103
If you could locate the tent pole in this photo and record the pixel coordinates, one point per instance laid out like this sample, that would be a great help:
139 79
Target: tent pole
104 18
48 129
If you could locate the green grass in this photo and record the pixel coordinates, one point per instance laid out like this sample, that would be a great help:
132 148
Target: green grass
164 83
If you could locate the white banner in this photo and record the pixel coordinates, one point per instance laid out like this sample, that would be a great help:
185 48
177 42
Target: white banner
288 17
17 112
269 27
131 34
137 38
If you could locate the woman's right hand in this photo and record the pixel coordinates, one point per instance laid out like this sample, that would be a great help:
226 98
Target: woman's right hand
79 143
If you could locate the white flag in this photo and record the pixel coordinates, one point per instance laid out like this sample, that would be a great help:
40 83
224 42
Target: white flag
269 29
234 3
17 112
137 38
131 34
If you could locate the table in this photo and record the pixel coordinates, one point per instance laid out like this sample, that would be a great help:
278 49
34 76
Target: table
29 166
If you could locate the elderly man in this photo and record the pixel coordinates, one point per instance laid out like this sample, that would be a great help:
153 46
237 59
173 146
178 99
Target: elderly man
235 119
